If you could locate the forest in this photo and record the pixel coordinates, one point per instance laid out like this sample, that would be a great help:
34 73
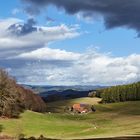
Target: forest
120 93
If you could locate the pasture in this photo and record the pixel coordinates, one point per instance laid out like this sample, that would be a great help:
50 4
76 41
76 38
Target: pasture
110 120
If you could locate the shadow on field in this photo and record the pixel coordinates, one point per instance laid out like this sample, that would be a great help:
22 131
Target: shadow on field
58 106
1 128
116 138
137 134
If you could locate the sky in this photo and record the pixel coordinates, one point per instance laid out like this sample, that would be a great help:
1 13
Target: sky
70 42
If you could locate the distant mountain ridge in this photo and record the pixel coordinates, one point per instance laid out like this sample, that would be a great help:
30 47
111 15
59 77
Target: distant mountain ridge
54 93
43 88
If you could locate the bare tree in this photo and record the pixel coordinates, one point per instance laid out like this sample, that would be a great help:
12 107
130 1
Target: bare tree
10 104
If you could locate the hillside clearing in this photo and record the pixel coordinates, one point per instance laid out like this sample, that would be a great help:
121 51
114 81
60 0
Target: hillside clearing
59 106
118 119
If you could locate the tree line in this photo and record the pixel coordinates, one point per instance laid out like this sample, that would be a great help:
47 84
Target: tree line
120 93
14 98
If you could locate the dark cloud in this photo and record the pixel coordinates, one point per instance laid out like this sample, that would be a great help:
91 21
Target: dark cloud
14 63
116 13
23 29
32 10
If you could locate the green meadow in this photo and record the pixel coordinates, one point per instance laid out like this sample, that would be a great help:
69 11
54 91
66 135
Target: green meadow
109 120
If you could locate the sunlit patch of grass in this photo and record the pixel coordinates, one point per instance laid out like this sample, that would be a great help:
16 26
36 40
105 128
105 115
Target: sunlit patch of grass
116 119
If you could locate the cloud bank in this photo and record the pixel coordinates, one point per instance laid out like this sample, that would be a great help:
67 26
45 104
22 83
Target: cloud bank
26 55
116 13
59 67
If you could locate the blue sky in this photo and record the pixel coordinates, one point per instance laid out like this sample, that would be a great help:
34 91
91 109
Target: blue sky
68 39
118 41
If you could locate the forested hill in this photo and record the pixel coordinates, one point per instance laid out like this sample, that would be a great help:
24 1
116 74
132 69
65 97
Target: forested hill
14 98
121 93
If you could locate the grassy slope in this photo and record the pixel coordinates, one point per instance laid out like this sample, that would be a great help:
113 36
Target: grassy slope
58 106
117 119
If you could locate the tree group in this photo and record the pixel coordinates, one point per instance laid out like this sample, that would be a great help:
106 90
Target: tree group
121 93
14 98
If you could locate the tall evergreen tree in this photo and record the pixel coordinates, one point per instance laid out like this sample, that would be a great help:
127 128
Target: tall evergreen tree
121 93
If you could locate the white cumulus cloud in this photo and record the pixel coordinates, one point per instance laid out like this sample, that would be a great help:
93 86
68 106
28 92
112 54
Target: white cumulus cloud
47 53
13 44
59 67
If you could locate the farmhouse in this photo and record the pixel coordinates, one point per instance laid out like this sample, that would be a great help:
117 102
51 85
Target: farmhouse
82 108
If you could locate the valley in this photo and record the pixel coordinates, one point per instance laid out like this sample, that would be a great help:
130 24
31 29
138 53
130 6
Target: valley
109 120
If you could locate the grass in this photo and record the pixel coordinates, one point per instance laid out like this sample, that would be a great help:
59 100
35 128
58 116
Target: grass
118 119
58 106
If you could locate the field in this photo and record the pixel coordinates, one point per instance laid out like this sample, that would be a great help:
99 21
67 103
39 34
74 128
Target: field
110 120
59 106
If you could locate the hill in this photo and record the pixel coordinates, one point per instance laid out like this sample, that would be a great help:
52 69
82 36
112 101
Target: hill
55 93
30 100
43 88
110 120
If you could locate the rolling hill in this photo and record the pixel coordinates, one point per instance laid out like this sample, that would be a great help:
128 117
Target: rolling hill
110 120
